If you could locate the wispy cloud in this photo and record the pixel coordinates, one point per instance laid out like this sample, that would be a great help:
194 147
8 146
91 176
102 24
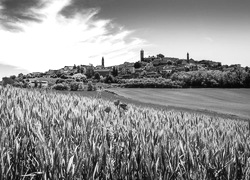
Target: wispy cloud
14 12
75 37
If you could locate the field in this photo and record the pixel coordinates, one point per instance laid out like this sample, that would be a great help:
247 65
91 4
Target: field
225 101
49 135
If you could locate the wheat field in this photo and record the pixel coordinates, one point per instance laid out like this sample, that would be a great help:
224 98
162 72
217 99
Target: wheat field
46 135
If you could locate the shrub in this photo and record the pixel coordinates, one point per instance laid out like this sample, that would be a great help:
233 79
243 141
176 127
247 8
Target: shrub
59 81
26 85
76 86
7 80
109 79
97 76
36 84
91 87
64 76
61 87
17 84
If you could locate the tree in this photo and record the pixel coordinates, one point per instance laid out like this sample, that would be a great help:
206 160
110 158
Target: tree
109 79
115 71
97 76
169 63
20 76
160 56
40 85
91 87
36 83
13 77
89 72
137 65
64 76
6 80
78 69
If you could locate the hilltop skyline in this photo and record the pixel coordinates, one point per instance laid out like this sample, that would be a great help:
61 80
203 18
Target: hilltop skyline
41 35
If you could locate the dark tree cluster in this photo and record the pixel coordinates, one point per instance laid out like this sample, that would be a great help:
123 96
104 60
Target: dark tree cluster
239 78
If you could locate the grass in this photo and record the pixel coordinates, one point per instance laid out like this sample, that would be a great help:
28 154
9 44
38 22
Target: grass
50 135
233 102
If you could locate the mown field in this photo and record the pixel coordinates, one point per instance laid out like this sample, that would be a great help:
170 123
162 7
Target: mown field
47 135
226 101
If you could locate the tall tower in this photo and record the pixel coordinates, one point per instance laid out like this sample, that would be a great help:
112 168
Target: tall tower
103 62
142 55
188 57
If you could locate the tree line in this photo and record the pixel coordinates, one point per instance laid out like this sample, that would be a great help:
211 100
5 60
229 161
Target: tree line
238 78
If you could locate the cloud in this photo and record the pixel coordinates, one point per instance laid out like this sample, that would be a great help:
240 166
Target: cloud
61 40
77 6
14 12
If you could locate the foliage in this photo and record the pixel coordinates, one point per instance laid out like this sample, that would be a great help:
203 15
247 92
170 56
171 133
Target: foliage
45 135
79 76
36 84
160 56
18 84
61 86
64 76
7 80
13 77
20 76
151 83
97 76
90 86
76 86
195 79
213 78
89 72
109 79
115 71
137 65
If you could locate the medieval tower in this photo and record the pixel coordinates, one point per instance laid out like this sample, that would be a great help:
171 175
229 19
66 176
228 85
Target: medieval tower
142 55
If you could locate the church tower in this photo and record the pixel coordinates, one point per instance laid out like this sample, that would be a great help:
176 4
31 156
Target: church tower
188 57
103 62
142 55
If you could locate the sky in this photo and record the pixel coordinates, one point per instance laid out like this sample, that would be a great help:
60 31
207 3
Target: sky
38 35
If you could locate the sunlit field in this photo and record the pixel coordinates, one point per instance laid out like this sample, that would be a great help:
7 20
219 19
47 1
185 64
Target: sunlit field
233 102
47 135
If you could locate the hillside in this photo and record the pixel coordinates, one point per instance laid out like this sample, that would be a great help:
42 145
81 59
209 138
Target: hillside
232 102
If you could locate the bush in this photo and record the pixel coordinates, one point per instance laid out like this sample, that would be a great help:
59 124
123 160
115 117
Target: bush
18 84
61 87
7 80
76 86
151 83
59 81
91 87
26 85
97 76
64 76
68 81
109 79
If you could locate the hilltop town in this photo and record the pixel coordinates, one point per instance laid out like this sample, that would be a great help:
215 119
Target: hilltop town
152 66
157 66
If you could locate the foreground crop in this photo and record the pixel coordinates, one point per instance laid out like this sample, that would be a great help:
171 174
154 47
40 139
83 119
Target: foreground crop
45 135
